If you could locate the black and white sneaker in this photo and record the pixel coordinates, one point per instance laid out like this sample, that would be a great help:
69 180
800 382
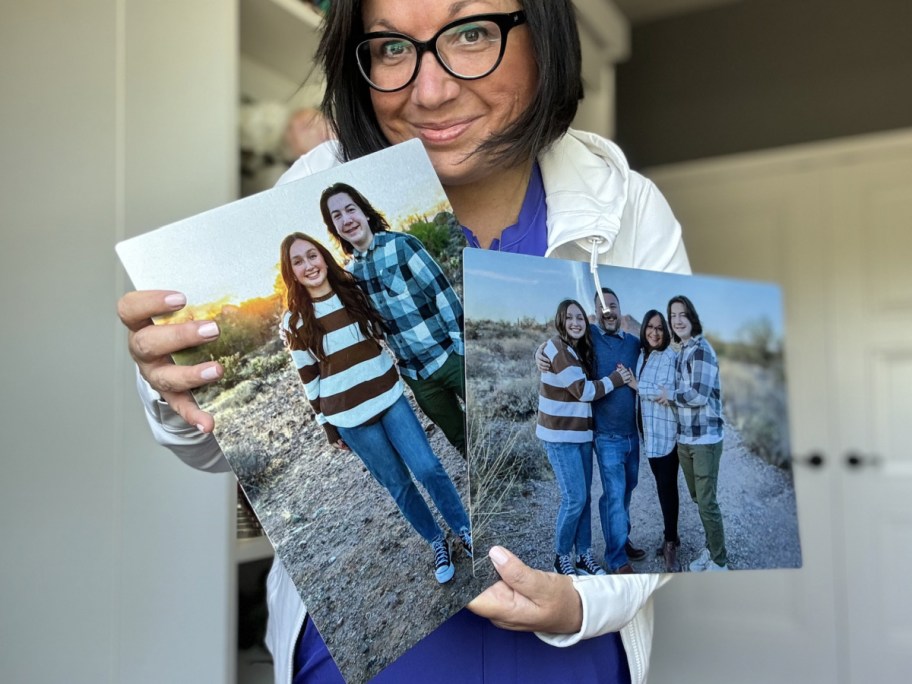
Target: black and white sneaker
563 565
587 565
443 565
466 538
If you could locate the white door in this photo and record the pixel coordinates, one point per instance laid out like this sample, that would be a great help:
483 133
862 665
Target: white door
871 310
833 225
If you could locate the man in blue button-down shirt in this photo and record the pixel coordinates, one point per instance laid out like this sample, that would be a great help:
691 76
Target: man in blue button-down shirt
617 444
412 294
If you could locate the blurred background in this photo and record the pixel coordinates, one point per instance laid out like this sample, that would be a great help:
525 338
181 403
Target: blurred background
781 133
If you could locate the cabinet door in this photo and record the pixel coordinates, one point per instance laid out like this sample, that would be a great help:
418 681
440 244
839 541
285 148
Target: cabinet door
871 314
762 222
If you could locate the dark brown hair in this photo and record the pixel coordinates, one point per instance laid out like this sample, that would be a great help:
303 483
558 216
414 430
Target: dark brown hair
690 311
582 346
666 333
375 219
555 47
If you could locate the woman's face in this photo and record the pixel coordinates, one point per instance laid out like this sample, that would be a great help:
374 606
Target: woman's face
309 267
575 322
679 322
655 334
452 116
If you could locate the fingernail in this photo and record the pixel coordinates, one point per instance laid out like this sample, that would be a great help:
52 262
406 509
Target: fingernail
175 300
210 373
207 330
199 426
497 555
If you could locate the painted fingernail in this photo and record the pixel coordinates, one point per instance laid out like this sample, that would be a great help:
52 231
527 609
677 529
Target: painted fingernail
497 555
175 300
208 330
210 373
199 426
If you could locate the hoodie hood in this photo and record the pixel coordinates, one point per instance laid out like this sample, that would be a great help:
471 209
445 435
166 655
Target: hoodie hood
586 180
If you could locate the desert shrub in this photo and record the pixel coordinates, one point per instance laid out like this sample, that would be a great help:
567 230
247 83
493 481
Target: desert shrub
502 456
514 398
251 468
754 402
232 364
442 237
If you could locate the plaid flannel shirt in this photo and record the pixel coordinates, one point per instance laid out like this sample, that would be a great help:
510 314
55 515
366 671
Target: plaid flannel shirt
660 423
698 393
411 293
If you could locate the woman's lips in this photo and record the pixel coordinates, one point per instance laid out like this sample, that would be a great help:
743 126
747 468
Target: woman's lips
441 133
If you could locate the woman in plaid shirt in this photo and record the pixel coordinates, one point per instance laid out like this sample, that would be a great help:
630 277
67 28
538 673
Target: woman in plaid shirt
654 381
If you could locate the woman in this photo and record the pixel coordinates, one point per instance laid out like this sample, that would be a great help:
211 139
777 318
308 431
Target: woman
335 336
654 382
698 397
519 179
565 428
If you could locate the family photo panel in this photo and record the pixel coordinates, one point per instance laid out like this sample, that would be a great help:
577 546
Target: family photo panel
643 430
363 496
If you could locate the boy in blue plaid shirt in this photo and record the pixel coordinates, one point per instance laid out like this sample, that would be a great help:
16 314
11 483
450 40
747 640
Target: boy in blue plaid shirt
698 397
409 290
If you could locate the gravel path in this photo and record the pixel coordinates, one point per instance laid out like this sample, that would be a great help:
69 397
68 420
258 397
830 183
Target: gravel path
757 502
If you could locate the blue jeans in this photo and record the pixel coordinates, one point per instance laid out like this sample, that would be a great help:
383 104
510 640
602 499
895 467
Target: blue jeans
572 465
390 448
619 466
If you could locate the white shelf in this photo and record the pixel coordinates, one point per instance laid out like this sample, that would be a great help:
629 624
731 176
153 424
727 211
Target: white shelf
252 548
281 35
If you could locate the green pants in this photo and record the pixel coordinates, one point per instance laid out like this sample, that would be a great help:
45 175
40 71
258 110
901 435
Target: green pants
700 463
439 396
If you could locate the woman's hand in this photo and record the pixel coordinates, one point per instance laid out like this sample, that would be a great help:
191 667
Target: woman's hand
542 361
151 347
632 381
529 600
663 398
341 445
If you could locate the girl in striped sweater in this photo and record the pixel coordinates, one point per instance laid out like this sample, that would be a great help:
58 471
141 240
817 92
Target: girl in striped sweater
335 336
565 428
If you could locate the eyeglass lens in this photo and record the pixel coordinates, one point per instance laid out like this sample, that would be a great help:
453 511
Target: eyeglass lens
469 50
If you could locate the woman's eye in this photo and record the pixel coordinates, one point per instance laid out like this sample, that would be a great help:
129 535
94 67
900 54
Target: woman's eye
394 49
471 34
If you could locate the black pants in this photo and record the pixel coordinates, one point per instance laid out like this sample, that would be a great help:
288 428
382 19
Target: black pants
665 468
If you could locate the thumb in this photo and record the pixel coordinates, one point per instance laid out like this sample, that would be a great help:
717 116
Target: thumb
514 573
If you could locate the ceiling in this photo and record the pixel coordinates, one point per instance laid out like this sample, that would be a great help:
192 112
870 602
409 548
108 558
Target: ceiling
642 11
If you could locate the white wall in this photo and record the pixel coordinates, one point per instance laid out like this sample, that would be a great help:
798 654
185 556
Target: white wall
117 116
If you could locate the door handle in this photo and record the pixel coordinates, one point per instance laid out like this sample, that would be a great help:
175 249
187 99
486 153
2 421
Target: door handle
855 461
815 460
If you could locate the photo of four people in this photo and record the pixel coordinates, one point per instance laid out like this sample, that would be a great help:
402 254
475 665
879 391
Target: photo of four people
614 390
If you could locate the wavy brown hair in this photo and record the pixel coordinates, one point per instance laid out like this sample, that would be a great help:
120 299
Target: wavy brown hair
582 346
375 219
304 329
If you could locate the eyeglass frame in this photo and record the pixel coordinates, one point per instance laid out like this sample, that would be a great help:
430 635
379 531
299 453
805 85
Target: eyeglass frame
505 22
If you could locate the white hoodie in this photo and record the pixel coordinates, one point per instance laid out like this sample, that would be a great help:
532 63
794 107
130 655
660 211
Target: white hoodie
593 199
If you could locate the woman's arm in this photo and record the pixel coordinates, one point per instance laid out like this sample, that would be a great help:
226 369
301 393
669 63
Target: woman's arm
309 371
658 377
567 373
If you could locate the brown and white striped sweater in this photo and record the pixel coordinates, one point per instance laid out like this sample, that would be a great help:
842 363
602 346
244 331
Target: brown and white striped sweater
564 396
355 382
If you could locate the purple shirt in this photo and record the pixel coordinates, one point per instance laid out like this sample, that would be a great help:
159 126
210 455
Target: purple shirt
529 235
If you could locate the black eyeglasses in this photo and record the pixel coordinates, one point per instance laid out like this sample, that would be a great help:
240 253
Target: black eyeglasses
468 48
